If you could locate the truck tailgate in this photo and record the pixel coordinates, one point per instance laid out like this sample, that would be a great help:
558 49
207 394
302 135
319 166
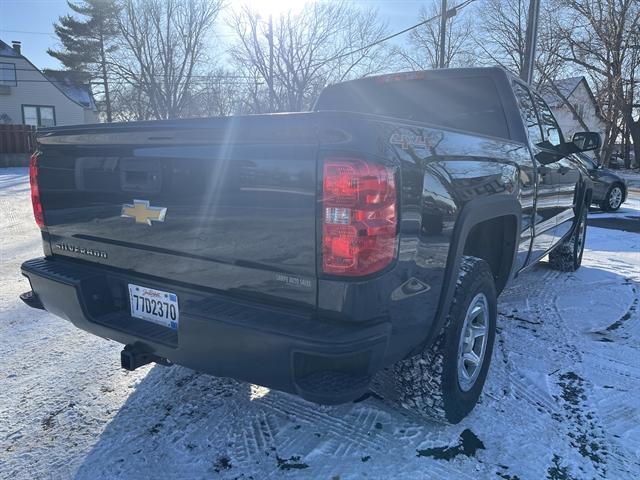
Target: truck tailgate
227 204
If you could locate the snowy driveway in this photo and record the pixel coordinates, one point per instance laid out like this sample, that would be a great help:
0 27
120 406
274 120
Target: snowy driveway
562 400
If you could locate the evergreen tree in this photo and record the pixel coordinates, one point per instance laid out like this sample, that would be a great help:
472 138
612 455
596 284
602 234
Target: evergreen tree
87 42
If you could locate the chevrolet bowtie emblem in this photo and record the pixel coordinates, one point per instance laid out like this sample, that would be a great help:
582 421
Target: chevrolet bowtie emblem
143 212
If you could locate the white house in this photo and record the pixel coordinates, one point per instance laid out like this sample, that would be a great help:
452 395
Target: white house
577 91
28 96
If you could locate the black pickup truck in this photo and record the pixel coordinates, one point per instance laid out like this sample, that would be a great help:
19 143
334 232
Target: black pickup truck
358 246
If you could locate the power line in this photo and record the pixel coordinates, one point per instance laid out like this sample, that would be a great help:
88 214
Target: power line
51 34
116 77
401 32
231 76
194 81
181 82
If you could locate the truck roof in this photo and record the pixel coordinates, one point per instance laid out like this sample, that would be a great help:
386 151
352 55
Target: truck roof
434 73
495 114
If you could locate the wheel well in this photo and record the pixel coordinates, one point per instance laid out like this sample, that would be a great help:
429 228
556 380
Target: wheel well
494 241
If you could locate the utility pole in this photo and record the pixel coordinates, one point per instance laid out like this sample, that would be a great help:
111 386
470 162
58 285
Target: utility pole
443 32
531 38
271 92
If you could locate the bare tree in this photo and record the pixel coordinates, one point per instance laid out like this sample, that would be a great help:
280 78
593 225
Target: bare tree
501 34
163 47
301 53
220 93
423 51
632 101
130 103
599 40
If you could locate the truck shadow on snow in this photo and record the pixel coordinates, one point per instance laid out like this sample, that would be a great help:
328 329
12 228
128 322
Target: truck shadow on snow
533 421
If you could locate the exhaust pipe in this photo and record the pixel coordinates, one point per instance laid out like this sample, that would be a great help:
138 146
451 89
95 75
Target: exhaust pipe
134 356
31 299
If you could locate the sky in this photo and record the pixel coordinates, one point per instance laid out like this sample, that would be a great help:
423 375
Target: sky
31 21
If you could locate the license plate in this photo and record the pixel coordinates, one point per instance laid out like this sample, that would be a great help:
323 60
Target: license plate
154 306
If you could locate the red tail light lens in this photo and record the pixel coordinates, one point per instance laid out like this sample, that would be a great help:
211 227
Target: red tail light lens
359 218
35 191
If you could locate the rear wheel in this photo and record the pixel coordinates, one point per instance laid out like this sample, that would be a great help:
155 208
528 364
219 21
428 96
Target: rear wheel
567 256
613 199
444 382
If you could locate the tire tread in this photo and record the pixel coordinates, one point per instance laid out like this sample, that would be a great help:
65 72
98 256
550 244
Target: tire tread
417 383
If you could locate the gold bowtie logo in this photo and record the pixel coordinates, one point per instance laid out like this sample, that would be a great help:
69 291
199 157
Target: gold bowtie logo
143 212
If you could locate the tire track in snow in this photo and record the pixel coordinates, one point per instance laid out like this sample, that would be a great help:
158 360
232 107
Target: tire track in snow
346 434
550 323
322 418
588 435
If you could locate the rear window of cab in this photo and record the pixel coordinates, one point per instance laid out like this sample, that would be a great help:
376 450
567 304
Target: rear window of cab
464 103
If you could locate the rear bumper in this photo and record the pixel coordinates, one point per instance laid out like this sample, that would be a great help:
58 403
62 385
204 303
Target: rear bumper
281 348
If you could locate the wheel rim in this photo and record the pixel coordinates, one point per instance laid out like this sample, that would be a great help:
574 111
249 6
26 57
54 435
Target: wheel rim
615 197
473 342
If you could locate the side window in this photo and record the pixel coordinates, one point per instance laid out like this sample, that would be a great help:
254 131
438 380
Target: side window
550 128
528 113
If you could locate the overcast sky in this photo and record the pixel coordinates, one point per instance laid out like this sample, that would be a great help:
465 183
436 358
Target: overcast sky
31 21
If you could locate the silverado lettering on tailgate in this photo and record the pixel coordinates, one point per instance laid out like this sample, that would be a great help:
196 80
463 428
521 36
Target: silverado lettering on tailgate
81 250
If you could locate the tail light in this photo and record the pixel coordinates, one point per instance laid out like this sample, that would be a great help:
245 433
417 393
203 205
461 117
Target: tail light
359 218
35 191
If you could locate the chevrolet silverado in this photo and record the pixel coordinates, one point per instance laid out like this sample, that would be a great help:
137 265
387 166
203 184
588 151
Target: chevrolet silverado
360 246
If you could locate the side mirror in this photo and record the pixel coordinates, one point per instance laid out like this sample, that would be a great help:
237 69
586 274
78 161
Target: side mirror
548 153
586 141
547 157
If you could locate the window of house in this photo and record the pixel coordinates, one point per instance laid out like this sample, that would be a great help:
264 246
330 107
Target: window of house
39 115
8 74
579 107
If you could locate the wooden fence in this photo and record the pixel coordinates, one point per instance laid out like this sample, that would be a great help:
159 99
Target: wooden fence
17 139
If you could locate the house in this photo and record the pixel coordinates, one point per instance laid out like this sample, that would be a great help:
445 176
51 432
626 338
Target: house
577 91
32 97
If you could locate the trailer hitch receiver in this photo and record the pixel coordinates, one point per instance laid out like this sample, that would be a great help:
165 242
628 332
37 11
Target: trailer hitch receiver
134 356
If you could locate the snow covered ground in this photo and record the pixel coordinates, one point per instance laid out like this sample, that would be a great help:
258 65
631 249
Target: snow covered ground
561 401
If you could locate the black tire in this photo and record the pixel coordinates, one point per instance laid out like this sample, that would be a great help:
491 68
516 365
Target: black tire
567 256
429 383
613 199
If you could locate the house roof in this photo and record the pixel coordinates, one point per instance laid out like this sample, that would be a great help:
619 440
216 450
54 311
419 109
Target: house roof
74 86
566 86
7 51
